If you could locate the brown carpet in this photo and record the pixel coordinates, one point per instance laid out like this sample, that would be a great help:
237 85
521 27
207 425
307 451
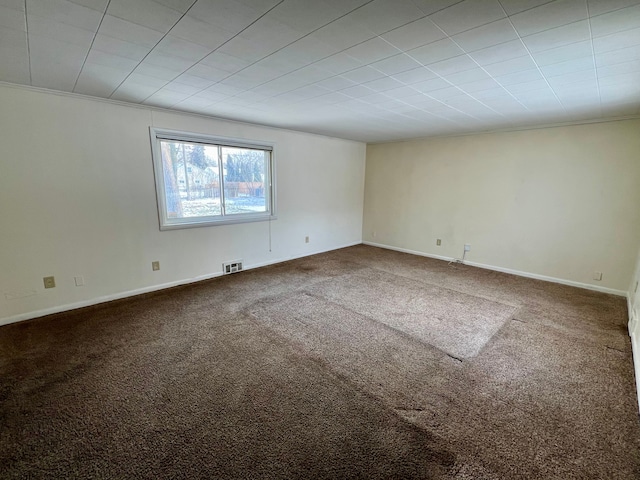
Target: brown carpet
357 363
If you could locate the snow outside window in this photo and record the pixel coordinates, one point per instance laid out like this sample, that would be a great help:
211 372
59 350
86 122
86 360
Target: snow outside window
203 180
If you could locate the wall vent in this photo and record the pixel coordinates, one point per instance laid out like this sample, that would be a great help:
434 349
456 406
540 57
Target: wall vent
231 267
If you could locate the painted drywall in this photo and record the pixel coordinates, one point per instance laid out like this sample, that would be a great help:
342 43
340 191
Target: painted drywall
77 198
557 203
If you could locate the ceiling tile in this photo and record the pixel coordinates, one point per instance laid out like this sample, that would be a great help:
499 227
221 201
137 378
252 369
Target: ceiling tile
181 6
511 66
598 7
479 86
12 18
415 34
436 51
194 81
570 66
518 88
171 62
270 33
557 37
432 6
382 84
207 72
487 35
563 54
99 80
344 33
629 54
357 91
432 84
453 65
363 74
181 88
498 53
467 15
467 76
245 49
146 13
519 77
14 60
616 21
99 5
308 50
516 6
415 75
200 32
395 64
336 83
338 63
166 74
230 15
225 62
615 41
114 61
177 47
63 11
380 16
14 4
129 32
620 69
122 48
371 50
550 15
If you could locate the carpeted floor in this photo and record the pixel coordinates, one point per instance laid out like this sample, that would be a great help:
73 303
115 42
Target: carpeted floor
358 363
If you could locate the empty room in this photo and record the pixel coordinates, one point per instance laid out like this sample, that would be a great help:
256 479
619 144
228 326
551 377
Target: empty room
299 239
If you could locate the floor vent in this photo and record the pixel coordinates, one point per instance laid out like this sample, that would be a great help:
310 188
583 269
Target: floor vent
231 267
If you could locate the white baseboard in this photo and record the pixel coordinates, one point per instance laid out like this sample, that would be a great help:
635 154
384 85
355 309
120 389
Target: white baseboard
519 273
152 288
635 349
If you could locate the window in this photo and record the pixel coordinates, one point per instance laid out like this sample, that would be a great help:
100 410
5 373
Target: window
203 180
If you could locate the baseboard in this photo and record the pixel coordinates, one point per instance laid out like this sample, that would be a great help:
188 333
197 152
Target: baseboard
153 288
635 349
519 273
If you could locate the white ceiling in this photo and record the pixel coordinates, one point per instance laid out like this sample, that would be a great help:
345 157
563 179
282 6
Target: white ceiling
373 70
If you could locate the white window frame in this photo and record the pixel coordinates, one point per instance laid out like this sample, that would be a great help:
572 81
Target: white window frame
166 223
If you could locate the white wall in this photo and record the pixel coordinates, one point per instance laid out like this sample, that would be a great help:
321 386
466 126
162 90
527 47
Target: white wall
77 197
555 202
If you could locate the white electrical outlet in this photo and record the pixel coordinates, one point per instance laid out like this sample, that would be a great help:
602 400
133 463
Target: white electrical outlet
79 281
467 247
597 276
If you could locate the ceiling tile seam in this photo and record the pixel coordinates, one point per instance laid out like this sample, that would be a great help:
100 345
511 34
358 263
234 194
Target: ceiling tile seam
152 48
442 78
484 70
595 64
214 50
364 41
104 14
533 59
385 118
437 11
336 53
26 26
282 48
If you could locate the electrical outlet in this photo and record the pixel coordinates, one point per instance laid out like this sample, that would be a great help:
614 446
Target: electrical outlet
597 276
155 266
79 281
49 282
374 234
438 242
306 239
467 247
